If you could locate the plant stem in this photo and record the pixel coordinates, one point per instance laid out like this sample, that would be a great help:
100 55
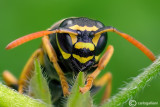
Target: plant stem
135 85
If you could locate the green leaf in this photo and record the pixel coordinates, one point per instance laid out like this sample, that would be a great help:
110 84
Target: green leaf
38 85
77 99
11 98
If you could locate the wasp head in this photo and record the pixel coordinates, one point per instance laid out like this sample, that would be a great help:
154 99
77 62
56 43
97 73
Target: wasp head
84 48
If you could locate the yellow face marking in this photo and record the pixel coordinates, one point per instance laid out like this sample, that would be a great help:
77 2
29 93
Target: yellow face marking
82 59
74 38
95 39
97 57
83 28
64 54
81 45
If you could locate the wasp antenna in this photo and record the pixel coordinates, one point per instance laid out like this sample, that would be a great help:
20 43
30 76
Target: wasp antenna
32 36
27 38
136 43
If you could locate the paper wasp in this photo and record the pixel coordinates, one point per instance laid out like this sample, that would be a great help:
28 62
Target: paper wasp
69 46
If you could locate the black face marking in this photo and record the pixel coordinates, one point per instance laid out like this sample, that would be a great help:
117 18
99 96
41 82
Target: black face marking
84 37
83 52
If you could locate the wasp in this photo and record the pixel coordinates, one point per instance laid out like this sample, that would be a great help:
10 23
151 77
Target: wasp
69 46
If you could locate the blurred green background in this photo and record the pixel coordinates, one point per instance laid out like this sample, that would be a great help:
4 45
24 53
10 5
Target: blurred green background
139 18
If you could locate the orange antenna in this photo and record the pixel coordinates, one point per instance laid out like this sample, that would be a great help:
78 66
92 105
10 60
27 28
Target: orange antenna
32 36
136 43
27 38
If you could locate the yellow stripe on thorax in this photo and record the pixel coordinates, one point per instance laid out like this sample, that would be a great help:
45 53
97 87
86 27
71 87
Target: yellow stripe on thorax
81 45
82 59
64 54
83 28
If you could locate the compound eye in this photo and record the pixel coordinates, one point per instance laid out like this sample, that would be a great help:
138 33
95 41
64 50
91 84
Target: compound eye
101 43
65 42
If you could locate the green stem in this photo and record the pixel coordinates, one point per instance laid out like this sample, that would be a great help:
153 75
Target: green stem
135 85
11 98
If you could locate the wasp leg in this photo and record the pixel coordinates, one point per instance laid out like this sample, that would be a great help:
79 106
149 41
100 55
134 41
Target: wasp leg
10 80
102 63
28 68
107 78
53 58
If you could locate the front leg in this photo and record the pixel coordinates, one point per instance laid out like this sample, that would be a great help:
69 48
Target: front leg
53 58
102 63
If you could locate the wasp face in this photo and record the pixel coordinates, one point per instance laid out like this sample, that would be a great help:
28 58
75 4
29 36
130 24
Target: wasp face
81 50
